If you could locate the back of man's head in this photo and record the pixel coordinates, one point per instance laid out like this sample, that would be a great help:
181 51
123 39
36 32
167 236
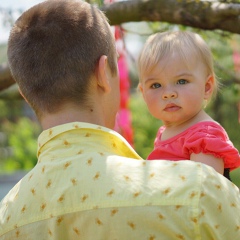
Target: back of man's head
53 50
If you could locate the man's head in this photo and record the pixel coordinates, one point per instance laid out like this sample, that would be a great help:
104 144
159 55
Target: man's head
54 49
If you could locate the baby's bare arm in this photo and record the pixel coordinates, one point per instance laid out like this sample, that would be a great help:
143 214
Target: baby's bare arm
216 163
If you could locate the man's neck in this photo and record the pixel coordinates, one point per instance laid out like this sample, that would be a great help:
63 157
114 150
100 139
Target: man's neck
70 114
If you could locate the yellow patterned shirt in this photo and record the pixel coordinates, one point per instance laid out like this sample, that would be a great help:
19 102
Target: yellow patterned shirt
88 185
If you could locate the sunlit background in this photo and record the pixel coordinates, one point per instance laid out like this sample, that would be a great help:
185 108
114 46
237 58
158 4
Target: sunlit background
19 127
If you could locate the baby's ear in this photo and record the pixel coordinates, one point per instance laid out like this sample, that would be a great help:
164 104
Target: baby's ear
209 86
140 88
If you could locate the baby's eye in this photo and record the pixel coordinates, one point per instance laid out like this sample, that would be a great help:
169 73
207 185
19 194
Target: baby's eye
182 81
156 85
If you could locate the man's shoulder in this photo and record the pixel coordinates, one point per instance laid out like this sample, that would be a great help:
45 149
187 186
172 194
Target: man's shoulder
160 174
113 183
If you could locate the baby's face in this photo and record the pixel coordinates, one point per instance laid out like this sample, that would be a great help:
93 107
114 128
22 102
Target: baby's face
175 90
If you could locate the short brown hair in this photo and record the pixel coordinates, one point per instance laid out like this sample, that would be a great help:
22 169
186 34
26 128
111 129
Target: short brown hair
53 49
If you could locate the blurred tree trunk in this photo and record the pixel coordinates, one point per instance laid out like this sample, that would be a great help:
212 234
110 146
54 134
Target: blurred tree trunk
208 15
6 79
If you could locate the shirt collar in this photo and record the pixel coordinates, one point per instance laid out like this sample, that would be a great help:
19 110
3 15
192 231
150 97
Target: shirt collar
50 133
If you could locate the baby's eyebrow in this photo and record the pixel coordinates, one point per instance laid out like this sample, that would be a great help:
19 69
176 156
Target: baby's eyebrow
184 74
150 79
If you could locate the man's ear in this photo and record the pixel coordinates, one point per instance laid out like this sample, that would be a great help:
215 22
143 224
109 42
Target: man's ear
103 77
209 86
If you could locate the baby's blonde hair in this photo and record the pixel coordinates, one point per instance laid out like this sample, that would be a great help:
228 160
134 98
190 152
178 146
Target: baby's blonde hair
187 44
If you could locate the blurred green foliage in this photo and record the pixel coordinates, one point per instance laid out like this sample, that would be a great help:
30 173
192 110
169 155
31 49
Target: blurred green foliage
18 137
3 55
145 126
18 133
22 141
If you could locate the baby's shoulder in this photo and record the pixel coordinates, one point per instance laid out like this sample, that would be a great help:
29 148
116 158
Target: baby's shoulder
207 127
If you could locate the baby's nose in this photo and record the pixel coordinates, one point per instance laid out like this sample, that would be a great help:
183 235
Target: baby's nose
169 94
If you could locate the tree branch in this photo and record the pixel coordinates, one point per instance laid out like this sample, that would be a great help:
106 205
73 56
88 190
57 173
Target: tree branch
6 79
208 15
